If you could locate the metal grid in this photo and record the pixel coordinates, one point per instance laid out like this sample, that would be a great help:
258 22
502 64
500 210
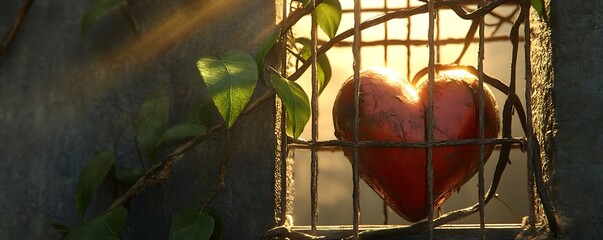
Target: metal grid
434 43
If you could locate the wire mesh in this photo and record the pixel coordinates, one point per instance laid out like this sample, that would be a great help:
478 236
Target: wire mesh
433 42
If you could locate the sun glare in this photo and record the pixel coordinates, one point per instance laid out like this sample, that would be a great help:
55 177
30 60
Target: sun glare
459 74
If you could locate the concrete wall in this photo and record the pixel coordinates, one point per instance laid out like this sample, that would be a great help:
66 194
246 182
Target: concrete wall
64 97
567 101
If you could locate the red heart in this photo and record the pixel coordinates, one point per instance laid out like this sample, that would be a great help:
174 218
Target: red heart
391 109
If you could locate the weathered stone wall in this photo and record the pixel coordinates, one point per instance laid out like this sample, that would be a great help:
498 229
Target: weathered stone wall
567 66
64 97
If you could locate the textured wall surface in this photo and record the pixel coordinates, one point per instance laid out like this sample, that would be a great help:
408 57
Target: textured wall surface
64 97
567 100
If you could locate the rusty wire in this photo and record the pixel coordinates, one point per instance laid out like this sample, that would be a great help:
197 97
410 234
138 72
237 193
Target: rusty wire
482 126
430 120
355 161
385 56
314 127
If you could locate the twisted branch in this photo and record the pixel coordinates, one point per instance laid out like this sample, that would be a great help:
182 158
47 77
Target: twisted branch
10 35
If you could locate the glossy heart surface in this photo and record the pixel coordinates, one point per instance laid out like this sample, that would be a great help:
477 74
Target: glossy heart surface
392 110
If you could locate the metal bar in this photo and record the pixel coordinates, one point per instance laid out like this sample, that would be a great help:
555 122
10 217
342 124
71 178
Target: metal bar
454 231
385 35
438 44
430 118
408 41
437 37
530 136
461 3
482 128
356 66
314 105
424 144
411 42
385 48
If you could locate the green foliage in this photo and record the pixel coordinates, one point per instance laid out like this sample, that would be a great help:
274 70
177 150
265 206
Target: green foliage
91 178
192 224
296 103
538 5
218 224
267 44
60 228
152 120
182 131
129 175
231 80
328 16
323 66
98 10
104 227
201 112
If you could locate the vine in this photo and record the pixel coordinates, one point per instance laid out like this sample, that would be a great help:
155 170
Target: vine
231 78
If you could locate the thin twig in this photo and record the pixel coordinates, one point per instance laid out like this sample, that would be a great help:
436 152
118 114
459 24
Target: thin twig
162 170
497 196
221 183
10 35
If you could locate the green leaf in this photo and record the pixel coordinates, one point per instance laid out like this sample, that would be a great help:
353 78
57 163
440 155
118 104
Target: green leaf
182 131
218 224
98 10
260 57
296 103
231 80
103 227
538 5
328 16
201 112
91 178
152 120
60 228
192 224
129 175
323 66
